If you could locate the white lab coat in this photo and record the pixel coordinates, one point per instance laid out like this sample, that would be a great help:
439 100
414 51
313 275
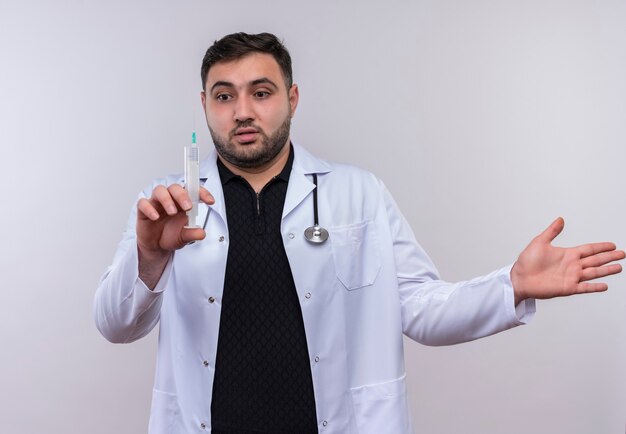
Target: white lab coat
359 291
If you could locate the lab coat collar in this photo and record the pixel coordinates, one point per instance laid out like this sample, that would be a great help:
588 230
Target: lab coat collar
305 163
300 185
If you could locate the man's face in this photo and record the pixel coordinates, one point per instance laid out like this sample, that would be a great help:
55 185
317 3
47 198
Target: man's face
248 109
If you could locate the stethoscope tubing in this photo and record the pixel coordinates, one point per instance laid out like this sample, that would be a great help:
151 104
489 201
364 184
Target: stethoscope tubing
315 234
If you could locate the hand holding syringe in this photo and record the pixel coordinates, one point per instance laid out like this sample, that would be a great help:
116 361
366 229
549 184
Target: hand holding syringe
166 220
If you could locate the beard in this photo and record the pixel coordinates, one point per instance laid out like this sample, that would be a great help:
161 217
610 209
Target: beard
250 156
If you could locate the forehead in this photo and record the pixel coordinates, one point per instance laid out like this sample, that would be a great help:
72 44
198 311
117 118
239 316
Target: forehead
245 69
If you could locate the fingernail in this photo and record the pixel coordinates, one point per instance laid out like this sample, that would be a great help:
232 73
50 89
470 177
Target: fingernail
186 204
171 209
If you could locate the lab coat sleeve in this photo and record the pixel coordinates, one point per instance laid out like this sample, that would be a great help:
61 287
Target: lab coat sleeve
435 312
125 309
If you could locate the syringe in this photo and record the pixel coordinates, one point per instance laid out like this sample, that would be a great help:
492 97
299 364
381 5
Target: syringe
192 179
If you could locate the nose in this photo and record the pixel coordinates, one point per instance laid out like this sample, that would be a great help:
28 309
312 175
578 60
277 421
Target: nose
243 110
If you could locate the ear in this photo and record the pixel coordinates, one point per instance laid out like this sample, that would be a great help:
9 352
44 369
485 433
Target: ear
294 96
203 99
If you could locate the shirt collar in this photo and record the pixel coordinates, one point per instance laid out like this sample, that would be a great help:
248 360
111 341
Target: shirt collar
226 175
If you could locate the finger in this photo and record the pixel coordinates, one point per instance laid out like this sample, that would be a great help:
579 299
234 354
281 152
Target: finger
602 258
206 197
552 231
145 208
594 248
586 287
161 195
190 235
180 196
596 272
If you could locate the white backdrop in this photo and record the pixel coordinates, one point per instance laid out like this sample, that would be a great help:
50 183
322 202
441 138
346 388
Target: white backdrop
486 119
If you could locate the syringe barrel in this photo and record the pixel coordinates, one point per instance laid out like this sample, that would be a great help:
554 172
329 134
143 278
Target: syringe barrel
192 181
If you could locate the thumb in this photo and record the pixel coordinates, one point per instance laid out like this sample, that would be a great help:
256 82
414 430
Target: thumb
190 235
552 231
206 196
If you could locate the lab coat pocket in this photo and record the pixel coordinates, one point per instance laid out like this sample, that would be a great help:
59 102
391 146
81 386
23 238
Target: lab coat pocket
382 408
163 412
356 254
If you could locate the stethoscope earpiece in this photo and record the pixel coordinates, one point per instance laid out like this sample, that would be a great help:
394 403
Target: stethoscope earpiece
315 234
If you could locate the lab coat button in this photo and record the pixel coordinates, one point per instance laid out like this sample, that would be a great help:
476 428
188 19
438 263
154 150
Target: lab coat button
211 299
205 363
221 239
291 235
307 295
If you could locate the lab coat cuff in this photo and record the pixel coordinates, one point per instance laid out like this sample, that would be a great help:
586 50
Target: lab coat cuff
525 310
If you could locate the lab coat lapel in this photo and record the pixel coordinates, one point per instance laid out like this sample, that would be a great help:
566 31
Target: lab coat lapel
213 183
300 185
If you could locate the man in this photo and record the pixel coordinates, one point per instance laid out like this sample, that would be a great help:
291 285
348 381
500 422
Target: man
263 331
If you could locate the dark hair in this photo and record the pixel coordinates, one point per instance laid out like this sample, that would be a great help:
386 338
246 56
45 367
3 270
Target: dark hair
237 45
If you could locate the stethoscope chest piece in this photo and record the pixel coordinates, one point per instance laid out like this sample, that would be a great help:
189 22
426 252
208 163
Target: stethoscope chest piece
316 234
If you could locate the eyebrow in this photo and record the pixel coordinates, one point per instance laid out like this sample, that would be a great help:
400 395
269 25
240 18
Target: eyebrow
262 80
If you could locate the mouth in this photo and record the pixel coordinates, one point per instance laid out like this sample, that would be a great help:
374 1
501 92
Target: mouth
246 135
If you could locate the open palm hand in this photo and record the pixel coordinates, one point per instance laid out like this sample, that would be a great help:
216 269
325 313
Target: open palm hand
545 271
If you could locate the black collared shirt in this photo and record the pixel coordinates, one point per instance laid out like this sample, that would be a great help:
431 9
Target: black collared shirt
263 381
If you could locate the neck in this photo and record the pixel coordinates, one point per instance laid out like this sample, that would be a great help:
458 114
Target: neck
257 177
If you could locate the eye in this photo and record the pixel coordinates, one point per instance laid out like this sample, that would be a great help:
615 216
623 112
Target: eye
223 97
261 94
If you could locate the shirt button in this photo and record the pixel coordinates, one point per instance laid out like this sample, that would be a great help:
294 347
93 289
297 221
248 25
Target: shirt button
211 299
291 235
317 359
307 295
221 239
324 423
203 425
205 363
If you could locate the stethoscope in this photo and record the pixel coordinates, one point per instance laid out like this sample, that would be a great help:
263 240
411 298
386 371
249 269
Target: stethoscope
314 234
